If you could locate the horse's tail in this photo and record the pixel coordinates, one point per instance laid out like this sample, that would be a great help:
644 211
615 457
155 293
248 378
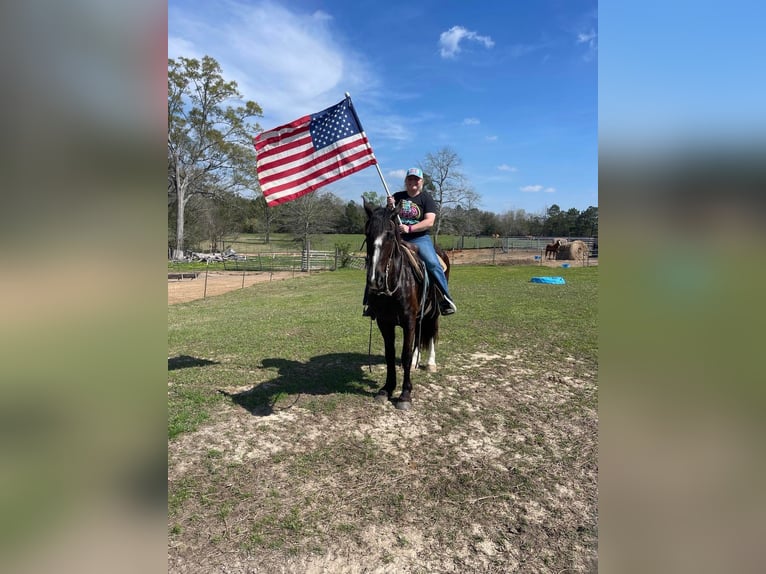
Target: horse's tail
429 330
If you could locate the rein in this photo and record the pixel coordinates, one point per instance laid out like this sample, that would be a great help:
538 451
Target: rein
395 251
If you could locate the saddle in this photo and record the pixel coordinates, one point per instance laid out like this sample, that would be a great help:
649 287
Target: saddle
412 253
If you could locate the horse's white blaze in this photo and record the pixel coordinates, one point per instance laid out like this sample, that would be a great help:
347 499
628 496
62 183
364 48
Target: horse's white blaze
376 255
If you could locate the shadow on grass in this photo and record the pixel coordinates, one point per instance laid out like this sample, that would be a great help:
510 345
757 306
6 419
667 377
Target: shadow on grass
185 362
335 373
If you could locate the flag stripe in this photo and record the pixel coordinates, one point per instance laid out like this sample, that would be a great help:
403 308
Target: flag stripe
281 161
309 186
310 152
300 175
267 138
290 165
294 143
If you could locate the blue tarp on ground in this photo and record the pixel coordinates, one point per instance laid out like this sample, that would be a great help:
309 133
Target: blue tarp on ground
550 280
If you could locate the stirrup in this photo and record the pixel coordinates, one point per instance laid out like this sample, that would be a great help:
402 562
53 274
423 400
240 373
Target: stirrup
447 306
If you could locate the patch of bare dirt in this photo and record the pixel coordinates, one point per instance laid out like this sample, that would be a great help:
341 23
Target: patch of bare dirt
219 282
494 470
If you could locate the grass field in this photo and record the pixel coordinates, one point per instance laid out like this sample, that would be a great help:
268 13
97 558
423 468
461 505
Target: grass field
280 461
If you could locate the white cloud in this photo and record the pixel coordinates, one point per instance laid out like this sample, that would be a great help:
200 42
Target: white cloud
590 39
449 41
549 190
397 174
182 47
531 188
295 68
320 15
506 167
471 122
491 138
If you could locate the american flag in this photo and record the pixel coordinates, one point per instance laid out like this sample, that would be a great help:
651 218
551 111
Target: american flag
312 151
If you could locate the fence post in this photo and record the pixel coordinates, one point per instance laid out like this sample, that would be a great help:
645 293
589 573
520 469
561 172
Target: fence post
306 257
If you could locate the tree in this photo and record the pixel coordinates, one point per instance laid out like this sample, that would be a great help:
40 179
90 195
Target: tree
353 219
489 223
514 223
223 215
375 198
552 221
587 223
266 217
209 142
311 214
446 183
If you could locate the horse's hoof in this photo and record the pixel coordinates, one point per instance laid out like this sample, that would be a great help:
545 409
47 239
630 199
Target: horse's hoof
382 397
432 368
404 405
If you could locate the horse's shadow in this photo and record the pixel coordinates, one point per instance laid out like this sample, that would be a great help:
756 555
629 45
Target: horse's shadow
334 373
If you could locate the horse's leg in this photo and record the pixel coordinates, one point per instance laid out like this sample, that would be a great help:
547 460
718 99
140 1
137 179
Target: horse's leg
404 402
415 349
431 365
389 337
415 358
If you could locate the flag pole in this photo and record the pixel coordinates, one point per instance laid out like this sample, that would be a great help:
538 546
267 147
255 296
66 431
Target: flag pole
380 173
356 117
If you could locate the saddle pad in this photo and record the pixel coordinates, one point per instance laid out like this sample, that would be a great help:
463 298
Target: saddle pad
415 261
417 264
549 280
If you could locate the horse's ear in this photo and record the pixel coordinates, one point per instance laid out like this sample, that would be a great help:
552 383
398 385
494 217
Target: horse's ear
368 207
397 209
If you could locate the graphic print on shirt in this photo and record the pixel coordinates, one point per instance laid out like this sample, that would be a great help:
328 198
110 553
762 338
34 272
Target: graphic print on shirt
410 214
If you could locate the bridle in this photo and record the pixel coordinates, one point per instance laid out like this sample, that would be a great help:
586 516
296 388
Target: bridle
395 251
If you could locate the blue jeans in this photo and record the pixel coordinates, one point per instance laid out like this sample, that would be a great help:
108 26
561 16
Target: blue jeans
428 255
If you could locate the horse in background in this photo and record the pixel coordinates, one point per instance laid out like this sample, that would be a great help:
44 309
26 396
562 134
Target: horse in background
398 296
553 249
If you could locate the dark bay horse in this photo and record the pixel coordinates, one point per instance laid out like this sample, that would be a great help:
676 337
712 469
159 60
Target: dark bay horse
553 249
397 297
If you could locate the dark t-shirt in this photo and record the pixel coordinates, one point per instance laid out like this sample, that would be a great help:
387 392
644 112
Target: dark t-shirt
414 210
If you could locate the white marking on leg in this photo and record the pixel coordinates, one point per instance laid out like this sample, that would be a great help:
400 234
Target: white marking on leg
431 365
415 358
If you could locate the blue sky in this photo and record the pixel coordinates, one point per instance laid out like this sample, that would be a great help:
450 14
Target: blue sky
510 86
681 74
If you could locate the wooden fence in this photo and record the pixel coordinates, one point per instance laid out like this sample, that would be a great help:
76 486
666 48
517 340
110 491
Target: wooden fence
286 261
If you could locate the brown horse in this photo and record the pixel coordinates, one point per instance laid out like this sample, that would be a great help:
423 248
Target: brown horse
397 296
553 249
